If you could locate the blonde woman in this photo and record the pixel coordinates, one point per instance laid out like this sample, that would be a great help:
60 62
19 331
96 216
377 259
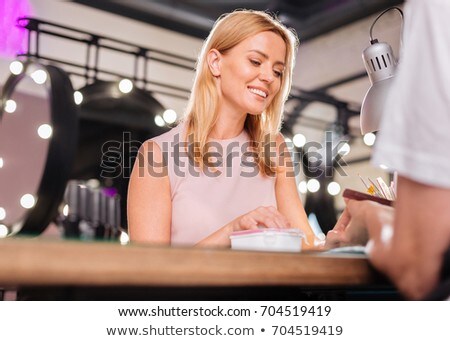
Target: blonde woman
225 168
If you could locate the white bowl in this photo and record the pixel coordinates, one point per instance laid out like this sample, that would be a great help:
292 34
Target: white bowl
268 239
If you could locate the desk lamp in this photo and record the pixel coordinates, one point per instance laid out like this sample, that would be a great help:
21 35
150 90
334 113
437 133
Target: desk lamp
380 64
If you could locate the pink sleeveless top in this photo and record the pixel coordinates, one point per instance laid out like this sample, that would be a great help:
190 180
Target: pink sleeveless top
203 202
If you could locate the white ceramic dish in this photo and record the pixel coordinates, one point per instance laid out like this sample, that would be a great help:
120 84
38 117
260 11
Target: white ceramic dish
268 239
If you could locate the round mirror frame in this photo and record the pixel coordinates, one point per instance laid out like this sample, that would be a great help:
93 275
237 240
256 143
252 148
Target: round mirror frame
64 115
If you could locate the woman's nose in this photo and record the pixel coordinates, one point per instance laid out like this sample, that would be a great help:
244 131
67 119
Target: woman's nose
266 75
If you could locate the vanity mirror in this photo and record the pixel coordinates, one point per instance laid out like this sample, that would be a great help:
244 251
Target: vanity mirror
38 139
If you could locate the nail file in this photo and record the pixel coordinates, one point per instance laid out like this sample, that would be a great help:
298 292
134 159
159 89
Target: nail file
384 188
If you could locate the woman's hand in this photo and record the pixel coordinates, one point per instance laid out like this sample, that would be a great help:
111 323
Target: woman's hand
262 216
351 228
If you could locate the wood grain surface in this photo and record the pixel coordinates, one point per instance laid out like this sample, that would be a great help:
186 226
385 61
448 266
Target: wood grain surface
46 262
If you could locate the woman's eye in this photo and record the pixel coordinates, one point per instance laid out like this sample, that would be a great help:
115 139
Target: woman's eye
255 62
278 73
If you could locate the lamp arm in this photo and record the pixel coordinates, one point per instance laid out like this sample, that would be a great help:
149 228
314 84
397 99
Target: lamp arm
379 16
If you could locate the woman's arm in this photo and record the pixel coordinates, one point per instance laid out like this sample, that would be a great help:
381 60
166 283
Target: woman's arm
262 216
288 199
149 199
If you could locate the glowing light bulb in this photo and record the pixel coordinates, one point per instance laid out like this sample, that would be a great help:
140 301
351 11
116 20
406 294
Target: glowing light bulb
39 76
27 201
2 213
170 116
159 121
3 231
10 106
299 140
45 131
313 185
78 97
125 86
369 139
302 187
333 188
16 67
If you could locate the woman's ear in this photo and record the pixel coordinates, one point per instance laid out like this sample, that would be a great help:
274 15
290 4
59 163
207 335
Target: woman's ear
213 58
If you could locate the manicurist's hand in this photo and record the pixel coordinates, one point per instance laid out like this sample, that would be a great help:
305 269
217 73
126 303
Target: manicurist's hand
351 228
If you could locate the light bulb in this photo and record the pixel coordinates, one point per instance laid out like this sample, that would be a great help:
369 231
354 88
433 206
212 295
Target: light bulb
159 121
27 201
313 185
45 131
2 213
39 76
302 187
78 97
125 86
10 106
299 140
333 188
369 139
16 67
3 231
170 116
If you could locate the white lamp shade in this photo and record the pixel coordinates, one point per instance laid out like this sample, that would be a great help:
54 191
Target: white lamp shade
380 64
373 106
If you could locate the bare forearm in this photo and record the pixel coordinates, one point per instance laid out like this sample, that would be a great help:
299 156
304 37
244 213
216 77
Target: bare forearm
421 234
220 238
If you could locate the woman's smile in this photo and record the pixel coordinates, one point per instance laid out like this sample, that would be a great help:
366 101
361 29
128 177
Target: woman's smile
250 73
259 92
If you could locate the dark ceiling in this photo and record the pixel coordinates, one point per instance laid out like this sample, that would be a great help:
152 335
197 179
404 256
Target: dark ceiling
310 18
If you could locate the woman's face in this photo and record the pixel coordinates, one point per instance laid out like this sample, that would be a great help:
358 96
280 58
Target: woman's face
250 73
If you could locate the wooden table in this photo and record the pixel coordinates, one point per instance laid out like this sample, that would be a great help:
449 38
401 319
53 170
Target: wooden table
35 262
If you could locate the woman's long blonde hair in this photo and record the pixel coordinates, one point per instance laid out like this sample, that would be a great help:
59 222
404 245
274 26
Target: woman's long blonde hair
201 113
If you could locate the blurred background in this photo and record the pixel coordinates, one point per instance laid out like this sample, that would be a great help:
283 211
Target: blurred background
131 66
